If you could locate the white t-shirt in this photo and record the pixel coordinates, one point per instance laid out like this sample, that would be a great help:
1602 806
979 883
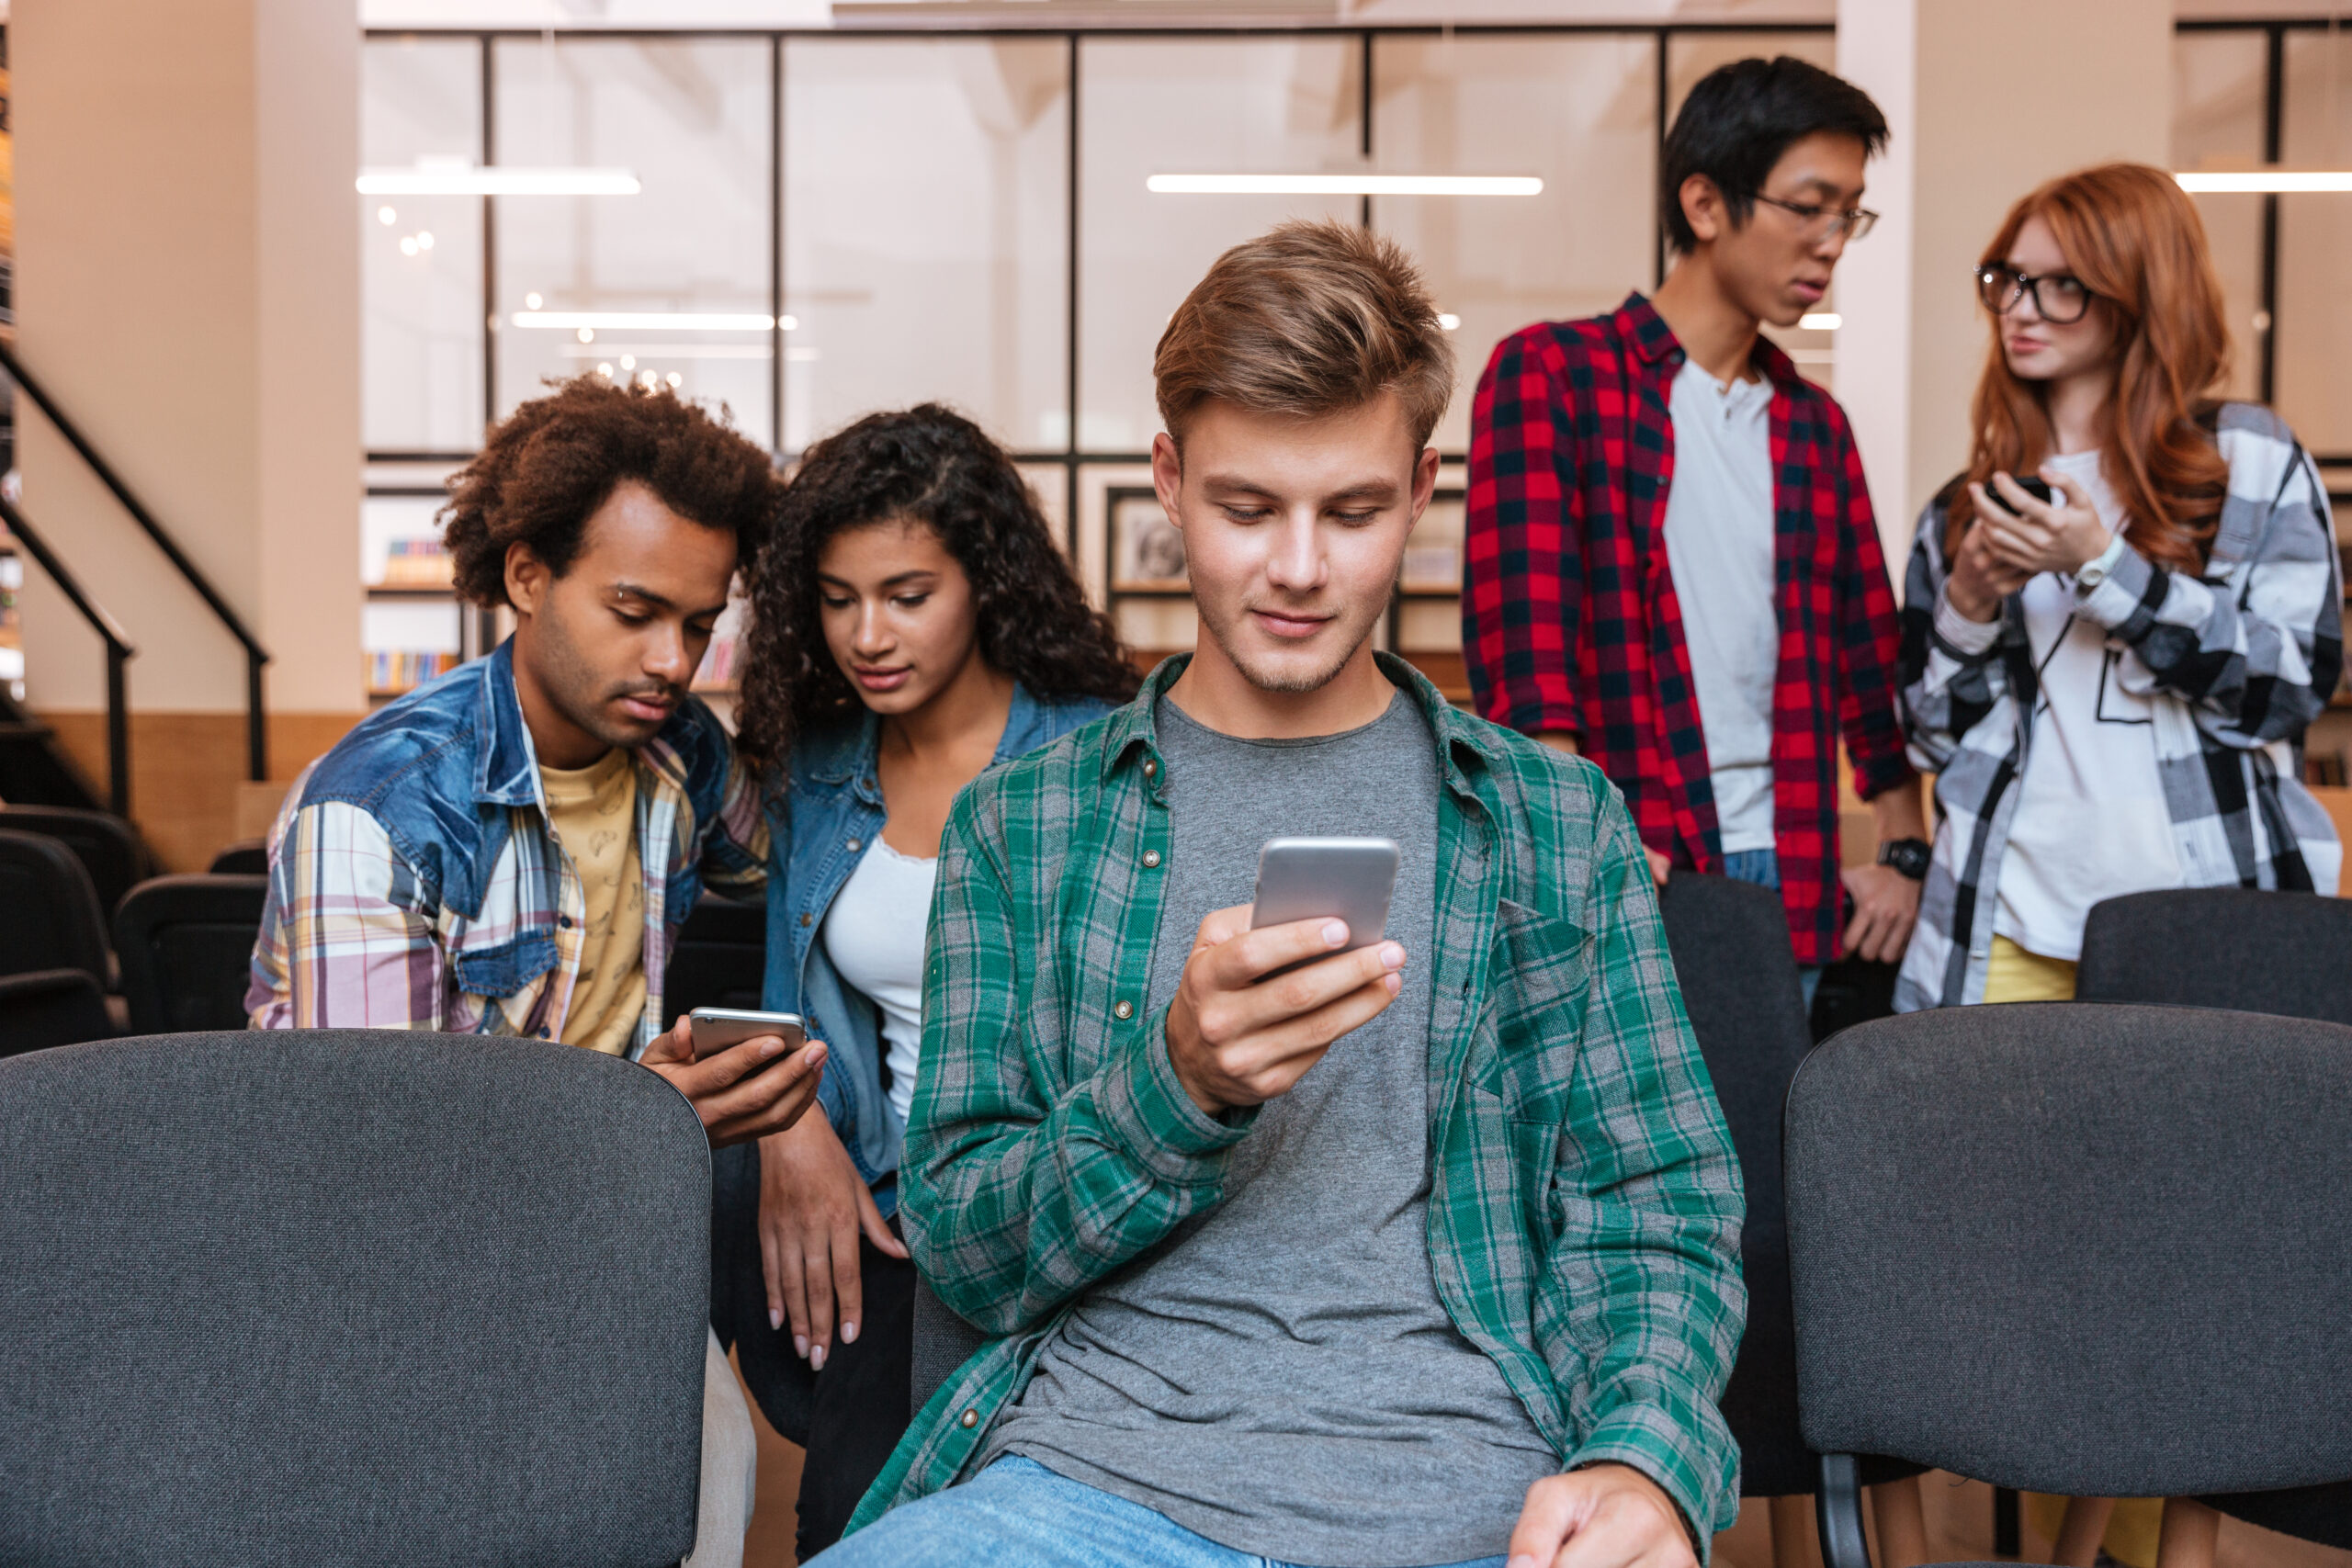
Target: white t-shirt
1719 546
2091 821
874 935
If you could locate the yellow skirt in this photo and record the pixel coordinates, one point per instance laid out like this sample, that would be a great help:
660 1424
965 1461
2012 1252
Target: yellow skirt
2017 976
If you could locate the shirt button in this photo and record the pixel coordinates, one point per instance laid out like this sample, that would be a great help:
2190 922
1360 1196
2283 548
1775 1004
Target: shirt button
543 1033
1150 858
1151 767
854 846
1124 1009
971 1419
564 922
806 919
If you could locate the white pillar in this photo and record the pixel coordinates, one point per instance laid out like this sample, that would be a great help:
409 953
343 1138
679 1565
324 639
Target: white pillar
188 290
1987 99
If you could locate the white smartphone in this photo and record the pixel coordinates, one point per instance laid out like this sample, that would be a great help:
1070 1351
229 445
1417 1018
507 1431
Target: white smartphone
716 1028
1305 879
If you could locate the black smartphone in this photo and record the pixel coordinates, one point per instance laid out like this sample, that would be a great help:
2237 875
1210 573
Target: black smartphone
2037 489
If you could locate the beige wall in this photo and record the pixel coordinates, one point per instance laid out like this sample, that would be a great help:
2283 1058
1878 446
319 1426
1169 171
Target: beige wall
1987 99
188 286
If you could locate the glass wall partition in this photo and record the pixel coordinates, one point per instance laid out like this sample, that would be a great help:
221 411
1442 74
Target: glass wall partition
671 285
420 256
926 219
830 223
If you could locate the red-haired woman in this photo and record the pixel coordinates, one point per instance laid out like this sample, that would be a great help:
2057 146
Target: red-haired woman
2111 686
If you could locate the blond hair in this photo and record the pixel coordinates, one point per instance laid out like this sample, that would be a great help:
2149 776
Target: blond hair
1309 319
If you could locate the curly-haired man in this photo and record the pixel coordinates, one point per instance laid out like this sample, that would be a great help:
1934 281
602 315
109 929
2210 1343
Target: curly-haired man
509 850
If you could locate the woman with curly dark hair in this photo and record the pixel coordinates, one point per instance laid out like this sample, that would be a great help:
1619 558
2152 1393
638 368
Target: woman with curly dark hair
912 625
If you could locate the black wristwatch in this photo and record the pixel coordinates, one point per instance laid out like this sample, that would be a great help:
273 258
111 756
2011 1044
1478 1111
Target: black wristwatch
1909 856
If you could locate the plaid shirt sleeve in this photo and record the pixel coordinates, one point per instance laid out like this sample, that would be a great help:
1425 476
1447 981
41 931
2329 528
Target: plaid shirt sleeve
1523 576
347 940
2257 653
735 855
1640 1303
1018 1192
1868 636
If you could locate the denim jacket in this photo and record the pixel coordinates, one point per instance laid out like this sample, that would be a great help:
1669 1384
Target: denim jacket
415 882
829 810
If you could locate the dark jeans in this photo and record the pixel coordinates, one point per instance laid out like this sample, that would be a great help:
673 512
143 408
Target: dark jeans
860 1407
848 1416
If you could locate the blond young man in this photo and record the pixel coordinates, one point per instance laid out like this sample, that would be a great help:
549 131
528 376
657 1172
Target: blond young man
1421 1253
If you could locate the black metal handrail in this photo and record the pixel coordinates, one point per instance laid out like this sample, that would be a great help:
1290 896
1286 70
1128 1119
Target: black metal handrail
256 730
118 653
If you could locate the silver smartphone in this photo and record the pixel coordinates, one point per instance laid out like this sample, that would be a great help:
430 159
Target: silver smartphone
1305 879
716 1028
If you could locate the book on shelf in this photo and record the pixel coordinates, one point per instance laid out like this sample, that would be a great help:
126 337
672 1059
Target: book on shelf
397 669
417 562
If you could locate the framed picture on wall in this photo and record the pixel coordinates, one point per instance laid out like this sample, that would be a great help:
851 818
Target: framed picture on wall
1147 549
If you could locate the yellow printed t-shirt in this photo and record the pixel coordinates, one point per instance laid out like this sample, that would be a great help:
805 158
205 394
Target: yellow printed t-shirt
594 813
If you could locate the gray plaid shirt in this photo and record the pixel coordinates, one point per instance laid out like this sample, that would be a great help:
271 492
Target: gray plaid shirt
2238 662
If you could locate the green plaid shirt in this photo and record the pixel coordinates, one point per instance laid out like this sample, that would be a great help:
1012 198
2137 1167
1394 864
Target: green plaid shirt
1584 1203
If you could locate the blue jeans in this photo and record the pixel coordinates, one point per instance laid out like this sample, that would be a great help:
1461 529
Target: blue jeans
1763 868
1018 1514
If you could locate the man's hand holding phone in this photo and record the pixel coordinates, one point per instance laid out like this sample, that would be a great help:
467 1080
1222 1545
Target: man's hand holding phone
741 1092
1240 1035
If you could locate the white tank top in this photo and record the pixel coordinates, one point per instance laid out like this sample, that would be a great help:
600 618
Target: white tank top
874 935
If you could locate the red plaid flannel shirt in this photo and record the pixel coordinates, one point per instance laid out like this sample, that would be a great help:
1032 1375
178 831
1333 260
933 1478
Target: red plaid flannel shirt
1569 619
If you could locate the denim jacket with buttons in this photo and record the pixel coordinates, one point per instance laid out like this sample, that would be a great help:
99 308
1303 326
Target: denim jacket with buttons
829 809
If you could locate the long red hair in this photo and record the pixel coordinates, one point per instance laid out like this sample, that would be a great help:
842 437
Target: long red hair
2132 237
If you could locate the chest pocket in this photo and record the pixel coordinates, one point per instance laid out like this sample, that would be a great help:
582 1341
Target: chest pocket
507 968
1541 974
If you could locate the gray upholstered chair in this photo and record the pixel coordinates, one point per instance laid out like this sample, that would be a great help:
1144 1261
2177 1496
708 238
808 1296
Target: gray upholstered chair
2234 947
349 1296
2289 954
2089 1249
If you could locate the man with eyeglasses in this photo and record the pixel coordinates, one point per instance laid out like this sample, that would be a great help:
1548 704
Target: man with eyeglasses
1672 565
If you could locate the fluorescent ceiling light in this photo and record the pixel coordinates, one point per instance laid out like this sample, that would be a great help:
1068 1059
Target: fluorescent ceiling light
443 179
1344 184
1821 321
2297 182
682 320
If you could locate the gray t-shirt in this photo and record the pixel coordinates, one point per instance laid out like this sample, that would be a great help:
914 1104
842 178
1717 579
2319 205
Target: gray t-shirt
1280 1374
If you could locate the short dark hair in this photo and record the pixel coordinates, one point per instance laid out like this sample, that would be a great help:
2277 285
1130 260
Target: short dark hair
551 464
1741 118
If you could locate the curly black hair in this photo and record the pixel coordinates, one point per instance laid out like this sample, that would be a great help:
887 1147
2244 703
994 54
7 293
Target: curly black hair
929 465
552 463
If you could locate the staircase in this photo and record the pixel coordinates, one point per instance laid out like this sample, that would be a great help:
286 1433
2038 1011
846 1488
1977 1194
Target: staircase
35 769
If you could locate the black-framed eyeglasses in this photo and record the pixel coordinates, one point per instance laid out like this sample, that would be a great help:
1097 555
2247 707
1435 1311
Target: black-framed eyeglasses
2059 298
1822 222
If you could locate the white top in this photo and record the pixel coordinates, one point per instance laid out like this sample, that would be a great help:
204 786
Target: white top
2091 822
874 935
1719 547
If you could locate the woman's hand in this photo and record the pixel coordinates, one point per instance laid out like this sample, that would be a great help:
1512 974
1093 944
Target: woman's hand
2045 536
742 1092
812 1205
1980 577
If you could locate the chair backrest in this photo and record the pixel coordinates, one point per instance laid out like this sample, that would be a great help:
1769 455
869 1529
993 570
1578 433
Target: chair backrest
2221 947
102 841
187 947
51 1006
719 959
247 857
2090 1249
362 1296
49 912
2256 952
1730 944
